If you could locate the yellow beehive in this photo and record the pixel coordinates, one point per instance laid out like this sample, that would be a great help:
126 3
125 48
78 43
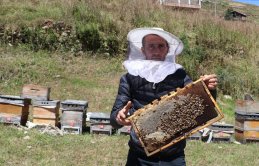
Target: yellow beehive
46 112
247 121
14 109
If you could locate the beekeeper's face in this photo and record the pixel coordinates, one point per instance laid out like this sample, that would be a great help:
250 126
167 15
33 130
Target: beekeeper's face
154 47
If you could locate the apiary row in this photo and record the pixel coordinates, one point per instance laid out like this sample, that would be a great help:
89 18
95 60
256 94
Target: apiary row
16 110
74 118
70 115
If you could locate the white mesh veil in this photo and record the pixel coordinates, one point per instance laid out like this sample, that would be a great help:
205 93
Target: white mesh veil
152 71
135 37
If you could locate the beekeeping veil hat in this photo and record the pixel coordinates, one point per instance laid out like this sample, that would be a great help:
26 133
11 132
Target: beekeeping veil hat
151 70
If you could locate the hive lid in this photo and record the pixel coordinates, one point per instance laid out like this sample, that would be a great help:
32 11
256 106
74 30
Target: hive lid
174 117
247 107
218 124
98 115
43 103
9 99
245 116
76 102
74 105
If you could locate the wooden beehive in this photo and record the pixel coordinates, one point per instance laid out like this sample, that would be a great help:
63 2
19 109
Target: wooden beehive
14 109
35 92
46 112
73 119
100 123
175 117
100 128
222 132
247 121
245 136
194 136
99 117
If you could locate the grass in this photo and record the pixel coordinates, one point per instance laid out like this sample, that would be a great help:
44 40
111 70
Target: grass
212 45
87 149
42 149
215 154
228 108
30 12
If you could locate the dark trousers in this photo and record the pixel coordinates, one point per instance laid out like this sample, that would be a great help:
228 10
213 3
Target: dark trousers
135 159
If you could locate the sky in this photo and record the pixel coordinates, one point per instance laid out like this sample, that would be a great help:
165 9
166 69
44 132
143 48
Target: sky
253 2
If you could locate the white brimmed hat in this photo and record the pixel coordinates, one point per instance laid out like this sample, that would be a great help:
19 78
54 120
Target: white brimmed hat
135 37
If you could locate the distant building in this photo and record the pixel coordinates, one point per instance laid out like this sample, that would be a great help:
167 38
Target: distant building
239 16
232 14
192 4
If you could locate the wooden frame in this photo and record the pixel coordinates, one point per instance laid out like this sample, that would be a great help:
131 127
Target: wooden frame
156 138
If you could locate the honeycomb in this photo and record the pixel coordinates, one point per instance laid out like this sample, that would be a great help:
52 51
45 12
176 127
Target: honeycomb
175 116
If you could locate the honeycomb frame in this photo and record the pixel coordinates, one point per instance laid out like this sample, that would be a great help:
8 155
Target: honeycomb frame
175 116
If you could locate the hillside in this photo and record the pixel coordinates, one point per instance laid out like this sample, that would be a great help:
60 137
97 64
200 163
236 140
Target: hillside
77 47
219 7
70 30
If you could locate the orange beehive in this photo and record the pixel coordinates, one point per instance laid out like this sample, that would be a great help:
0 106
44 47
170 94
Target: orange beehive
46 112
247 121
14 109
